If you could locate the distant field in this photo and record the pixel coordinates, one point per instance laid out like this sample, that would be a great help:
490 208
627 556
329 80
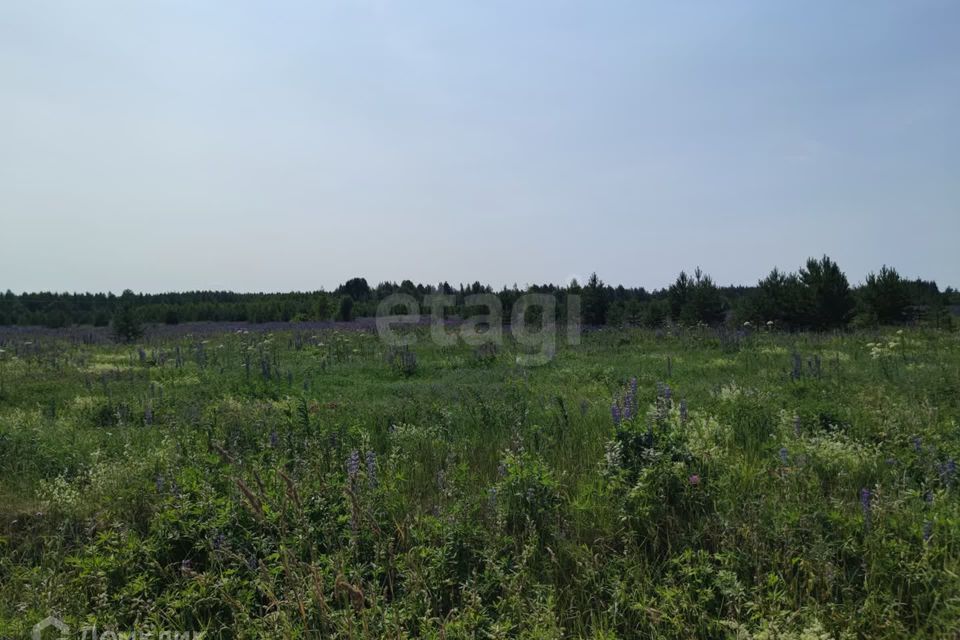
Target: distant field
308 481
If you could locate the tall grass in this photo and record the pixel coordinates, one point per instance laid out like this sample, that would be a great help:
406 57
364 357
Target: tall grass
300 485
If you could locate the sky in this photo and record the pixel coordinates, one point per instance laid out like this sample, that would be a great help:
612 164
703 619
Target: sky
181 145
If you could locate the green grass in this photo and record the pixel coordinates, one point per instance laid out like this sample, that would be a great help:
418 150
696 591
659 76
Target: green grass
209 491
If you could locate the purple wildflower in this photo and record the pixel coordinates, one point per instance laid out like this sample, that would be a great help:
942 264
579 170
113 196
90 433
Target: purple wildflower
948 471
353 465
615 413
927 531
797 366
917 444
159 481
630 400
784 456
274 439
372 468
866 498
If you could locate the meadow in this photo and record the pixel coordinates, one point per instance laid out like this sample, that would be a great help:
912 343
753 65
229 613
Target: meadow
309 481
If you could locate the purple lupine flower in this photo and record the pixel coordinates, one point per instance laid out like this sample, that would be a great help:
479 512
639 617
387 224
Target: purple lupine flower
948 470
372 469
667 392
917 444
630 401
927 531
159 482
784 456
274 439
353 465
252 562
615 413
683 412
928 498
866 499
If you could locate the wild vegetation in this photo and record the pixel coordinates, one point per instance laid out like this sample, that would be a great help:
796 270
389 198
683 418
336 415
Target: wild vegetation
313 482
817 297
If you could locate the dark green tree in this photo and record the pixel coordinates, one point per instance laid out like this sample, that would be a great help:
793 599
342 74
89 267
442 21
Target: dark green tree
829 303
594 301
356 288
696 300
885 297
345 312
679 294
779 298
126 325
705 304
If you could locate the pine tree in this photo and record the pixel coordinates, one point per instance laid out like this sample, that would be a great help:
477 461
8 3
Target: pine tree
126 326
829 302
885 297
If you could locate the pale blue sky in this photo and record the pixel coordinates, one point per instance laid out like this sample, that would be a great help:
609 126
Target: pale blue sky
292 145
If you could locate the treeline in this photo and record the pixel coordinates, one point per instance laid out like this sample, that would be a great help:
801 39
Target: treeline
817 296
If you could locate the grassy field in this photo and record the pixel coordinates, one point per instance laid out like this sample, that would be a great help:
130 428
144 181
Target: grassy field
310 483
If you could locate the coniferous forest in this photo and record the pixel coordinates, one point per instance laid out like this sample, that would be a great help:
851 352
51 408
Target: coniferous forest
818 296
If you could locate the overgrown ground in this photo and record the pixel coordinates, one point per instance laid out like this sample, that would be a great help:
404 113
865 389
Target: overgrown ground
304 484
